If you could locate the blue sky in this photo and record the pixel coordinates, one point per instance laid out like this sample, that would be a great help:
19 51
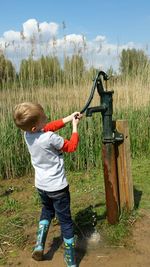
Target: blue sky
119 22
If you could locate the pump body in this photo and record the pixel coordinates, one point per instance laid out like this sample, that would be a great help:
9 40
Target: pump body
110 136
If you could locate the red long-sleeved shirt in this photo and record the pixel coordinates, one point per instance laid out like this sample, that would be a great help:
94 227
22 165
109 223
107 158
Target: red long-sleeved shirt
69 145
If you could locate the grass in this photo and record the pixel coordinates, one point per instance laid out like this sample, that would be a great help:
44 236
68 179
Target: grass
131 101
20 209
15 160
142 180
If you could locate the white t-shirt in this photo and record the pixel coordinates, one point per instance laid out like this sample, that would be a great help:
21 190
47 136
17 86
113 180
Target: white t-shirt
47 160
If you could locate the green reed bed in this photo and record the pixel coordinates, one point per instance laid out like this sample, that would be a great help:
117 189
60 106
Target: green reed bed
15 160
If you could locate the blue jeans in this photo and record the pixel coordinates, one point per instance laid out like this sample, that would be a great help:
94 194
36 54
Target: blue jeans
58 203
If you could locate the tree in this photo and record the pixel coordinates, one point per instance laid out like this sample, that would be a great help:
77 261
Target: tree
44 71
133 62
74 69
7 72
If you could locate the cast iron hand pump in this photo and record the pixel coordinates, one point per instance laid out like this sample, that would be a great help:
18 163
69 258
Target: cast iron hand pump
110 134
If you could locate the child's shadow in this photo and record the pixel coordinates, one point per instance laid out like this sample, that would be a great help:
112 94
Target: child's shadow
57 242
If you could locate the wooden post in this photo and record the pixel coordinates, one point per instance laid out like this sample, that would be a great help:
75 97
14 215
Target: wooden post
126 196
111 184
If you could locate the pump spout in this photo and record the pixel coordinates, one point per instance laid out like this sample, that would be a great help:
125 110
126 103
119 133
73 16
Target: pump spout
92 110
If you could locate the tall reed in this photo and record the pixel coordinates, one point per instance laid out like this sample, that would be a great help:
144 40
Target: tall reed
131 102
61 101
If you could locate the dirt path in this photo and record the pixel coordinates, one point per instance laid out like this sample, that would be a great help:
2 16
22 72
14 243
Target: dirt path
138 255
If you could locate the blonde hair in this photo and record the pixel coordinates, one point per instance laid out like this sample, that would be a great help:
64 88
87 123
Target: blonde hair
27 115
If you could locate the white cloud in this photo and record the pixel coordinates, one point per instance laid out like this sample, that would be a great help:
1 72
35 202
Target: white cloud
42 32
100 38
30 28
49 28
10 36
2 43
74 38
40 38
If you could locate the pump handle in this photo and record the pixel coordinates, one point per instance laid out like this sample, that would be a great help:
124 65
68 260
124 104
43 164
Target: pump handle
97 78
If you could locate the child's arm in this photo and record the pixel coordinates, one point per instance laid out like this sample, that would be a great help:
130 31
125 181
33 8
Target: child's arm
54 126
67 145
58 124
71 145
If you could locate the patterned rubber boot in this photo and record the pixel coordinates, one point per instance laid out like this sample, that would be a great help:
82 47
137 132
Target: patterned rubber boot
69 255
38 250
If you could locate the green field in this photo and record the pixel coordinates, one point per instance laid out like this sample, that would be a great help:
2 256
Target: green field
20 208
14 158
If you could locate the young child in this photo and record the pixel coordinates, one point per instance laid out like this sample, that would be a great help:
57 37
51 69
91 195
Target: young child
45 148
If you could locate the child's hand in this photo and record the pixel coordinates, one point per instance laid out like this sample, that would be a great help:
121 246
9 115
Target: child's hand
76 118
75 121
74 114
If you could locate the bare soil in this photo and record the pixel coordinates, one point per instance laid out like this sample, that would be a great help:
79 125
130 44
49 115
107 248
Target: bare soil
136 254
